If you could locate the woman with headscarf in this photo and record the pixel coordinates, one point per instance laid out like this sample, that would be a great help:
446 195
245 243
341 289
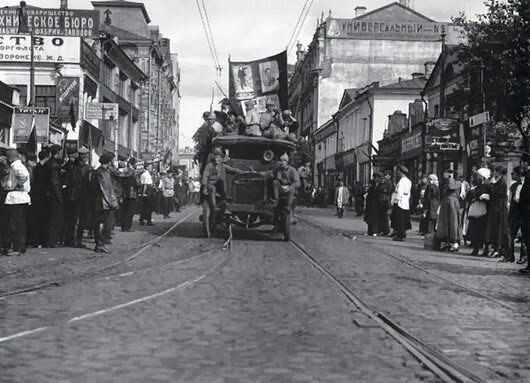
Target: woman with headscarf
497 230
476 211
431 202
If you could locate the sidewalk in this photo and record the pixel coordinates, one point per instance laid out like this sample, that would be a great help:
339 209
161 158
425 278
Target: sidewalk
40 266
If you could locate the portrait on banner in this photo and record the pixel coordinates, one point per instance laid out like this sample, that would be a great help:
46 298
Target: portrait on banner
269 75
244 84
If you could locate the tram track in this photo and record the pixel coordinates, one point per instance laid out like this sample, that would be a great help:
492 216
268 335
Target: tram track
379 247
97 273
432 359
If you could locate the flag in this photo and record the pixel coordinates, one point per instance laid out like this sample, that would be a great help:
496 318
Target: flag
31 146
71 113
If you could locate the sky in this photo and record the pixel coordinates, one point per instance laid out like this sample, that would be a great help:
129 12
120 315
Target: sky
245 30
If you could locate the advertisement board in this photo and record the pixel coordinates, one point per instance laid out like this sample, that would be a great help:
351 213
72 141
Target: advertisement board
101 111
46 49
23 121
52 22
443 135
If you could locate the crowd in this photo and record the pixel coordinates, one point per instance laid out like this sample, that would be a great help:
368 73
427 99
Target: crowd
486 213
52 200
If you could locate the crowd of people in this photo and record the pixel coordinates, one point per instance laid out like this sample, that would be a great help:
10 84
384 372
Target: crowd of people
485 214
52 200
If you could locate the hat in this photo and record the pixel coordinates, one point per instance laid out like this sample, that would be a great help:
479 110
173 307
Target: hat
211 115
106 158
404 169
284 156
71 151
83 150
205 114
433 177
122 165
269 102
132 161
54 149
31 157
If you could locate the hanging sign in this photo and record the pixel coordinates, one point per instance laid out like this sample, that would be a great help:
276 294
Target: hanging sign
101 111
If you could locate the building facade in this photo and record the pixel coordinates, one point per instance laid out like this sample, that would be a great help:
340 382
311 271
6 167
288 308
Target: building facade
378 46
364 117
129 22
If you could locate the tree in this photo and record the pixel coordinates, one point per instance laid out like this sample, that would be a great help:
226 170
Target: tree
500 40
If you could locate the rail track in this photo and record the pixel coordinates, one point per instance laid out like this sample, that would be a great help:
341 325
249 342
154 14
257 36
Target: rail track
431 358
100 272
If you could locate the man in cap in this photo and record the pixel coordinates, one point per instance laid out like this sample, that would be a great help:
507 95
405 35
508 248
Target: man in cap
103 201
76 197
39 208
214 177
285 181
127 177
214 124
17 202
270 120
384 189
56 198
401 205
252 120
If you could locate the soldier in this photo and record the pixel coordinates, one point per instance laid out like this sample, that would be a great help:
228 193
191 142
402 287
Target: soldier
55 192
103 202
76 209
270 120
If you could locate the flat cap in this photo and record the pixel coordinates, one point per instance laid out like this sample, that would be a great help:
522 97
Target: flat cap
54 149
404 169
83 150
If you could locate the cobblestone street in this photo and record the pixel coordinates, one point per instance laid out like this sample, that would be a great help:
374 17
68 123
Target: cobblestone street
184 310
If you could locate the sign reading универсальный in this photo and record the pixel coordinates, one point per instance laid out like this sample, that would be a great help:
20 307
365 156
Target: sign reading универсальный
384 30
46 49
52 22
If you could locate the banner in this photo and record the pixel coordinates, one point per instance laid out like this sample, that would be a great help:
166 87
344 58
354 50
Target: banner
259 80
17 48
24 119
67 93
52 22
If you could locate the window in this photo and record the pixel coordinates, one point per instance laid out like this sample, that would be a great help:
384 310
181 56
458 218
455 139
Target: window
123 90
23 94
436 111
108 75
45 97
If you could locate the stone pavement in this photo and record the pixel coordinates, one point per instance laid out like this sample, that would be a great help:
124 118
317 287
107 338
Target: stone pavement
39 266
267 316
475 331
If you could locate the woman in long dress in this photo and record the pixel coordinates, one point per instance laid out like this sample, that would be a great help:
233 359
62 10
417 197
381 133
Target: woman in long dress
449 228
431 202
372 206
475 229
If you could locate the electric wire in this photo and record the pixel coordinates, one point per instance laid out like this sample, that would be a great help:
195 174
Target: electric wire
211 36
216 65
301 26
297 23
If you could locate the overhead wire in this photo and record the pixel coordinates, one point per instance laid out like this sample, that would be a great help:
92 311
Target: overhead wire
297 23
300 27
211 36
208 38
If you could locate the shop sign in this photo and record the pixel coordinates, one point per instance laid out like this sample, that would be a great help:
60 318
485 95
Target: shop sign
25 119
17 48
411 145
349 158
384 30
443 135
101 111
52 22
479 119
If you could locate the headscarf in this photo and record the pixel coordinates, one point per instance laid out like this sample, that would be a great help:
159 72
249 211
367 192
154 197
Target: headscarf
484 172
434 179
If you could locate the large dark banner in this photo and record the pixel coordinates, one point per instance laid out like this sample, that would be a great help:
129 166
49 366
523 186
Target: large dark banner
67 93
259 80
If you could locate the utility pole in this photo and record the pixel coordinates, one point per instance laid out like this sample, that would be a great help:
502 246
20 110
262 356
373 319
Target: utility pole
23 27
483 96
